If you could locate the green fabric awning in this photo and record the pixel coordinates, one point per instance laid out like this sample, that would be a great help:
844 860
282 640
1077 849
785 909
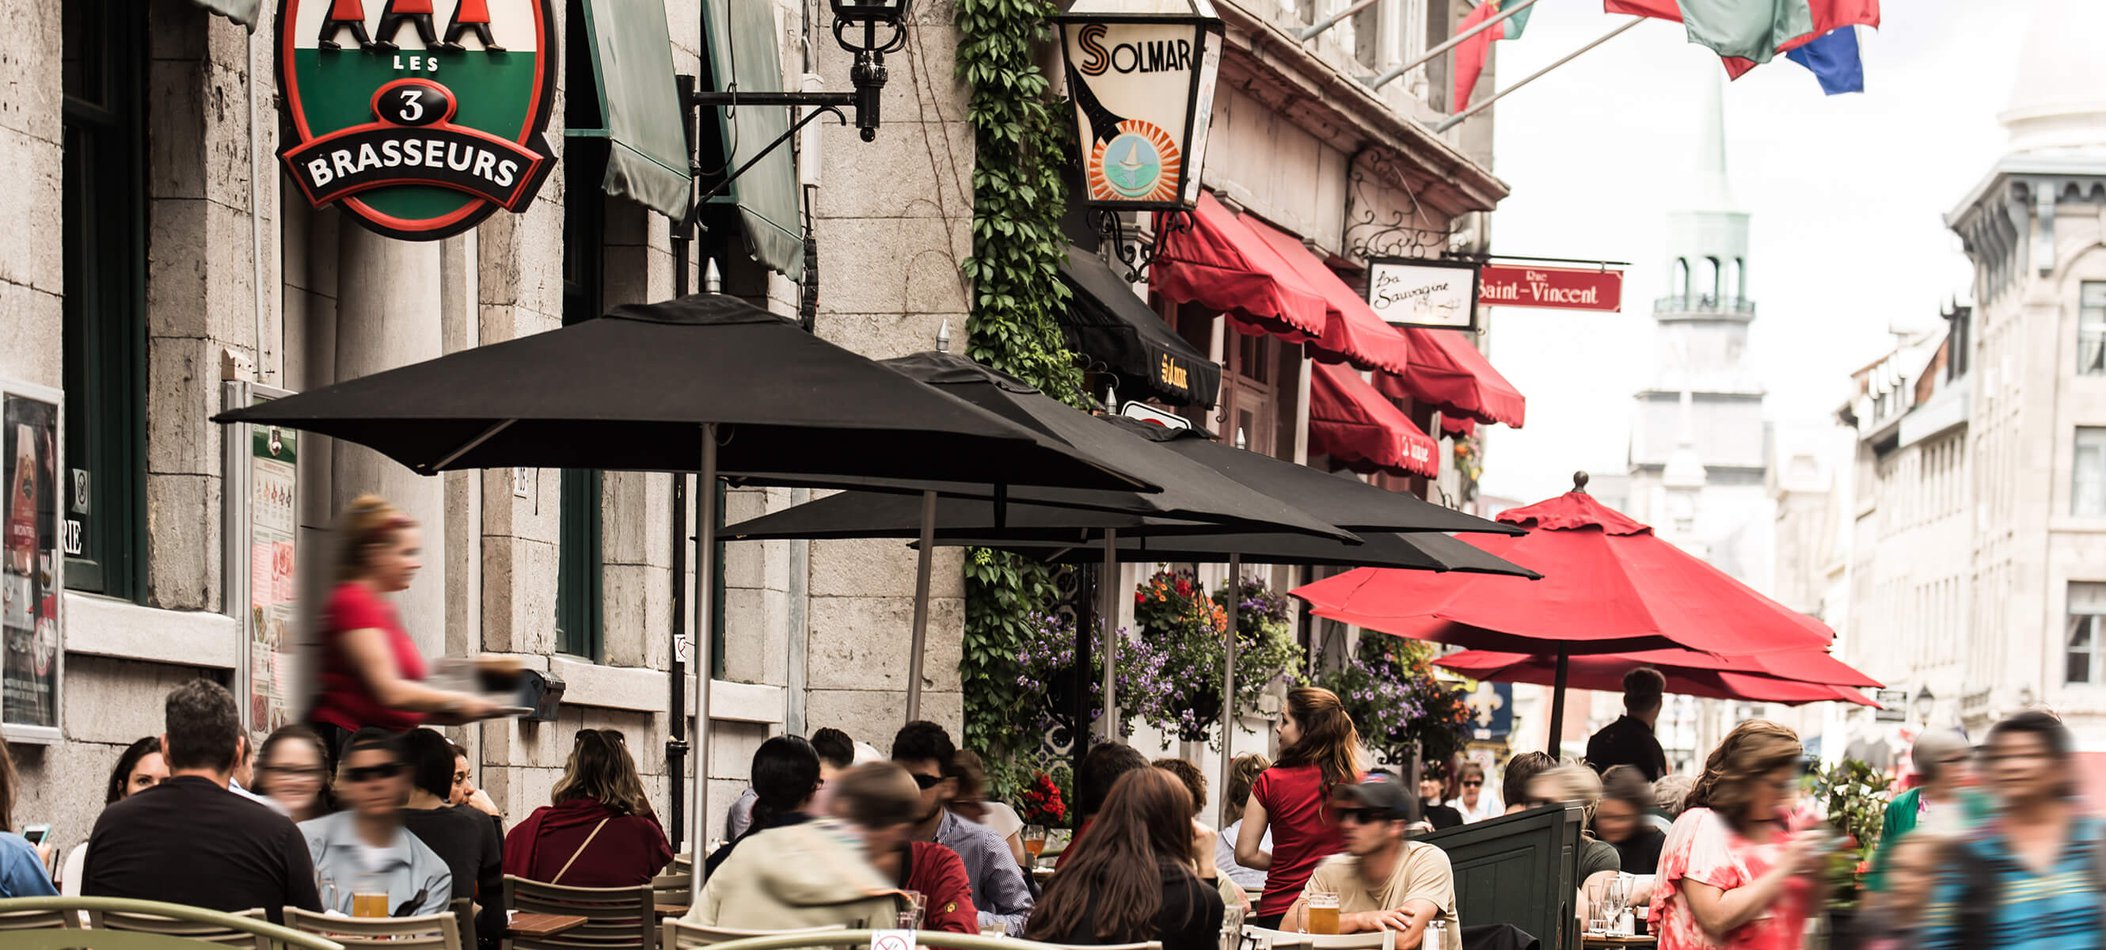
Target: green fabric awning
240 11
744 49
632 61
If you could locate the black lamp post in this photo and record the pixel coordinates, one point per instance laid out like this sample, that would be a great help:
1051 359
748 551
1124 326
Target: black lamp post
1142 74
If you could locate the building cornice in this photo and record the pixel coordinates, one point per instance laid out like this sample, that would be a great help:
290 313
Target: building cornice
1265 61
2007 222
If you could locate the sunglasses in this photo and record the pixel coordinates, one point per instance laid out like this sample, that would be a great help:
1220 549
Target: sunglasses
369 773
1473 783
926 782
1363 816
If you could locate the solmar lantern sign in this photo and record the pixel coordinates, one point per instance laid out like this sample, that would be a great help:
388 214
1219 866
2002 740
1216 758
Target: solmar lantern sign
1141 73
419 118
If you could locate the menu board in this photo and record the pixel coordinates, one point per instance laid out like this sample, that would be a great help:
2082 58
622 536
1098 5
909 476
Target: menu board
31 567
273 581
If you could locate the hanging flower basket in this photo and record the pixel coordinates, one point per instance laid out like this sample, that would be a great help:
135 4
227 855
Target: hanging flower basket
1170 676
1396 701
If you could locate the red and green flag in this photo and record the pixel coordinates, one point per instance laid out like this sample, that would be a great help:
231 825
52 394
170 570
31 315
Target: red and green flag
1746 33
1470 56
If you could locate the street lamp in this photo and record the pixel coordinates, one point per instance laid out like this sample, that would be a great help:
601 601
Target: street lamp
1142 75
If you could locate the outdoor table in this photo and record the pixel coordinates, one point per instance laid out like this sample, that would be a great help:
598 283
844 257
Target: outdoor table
1617 941
543 925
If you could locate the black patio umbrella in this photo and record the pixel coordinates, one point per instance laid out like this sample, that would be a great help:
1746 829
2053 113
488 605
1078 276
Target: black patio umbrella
705 383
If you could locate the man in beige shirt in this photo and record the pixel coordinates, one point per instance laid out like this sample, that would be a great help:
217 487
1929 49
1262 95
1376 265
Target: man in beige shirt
1383 881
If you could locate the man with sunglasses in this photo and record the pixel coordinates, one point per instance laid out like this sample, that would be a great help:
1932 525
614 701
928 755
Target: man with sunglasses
364 848
1384 881
191 841
925 750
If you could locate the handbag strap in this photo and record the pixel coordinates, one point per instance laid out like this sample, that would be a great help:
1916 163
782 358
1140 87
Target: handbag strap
558 879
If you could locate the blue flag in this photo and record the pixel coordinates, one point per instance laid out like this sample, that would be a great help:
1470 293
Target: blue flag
1834 61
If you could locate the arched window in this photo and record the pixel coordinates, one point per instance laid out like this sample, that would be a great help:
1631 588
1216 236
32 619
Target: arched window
1711 278
1740 279
1681 278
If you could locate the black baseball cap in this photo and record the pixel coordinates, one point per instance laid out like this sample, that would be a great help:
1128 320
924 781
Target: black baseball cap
1380 792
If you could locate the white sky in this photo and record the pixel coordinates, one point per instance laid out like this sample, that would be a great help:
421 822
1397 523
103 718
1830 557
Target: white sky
1847 195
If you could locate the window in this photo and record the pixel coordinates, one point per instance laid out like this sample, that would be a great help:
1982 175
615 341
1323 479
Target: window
2091 329
579 605
2087 626
104 253
2088 480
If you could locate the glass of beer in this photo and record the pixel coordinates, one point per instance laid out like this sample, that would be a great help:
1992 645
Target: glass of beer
1323 913
1034 842
369 903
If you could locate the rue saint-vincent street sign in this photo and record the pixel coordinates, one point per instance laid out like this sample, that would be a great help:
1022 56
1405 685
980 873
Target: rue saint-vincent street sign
419 118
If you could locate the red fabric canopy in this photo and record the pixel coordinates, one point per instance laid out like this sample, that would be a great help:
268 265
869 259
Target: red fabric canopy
1449 374
1609 586
1353 424
1220 265
1606 673
1352 331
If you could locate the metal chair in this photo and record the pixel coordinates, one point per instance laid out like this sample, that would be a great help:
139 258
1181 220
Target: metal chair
38 920
154 924
1259 938
616 918
428 932
679 935
788 940
222 933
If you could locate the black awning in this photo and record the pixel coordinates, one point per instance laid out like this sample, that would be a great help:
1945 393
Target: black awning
1117 333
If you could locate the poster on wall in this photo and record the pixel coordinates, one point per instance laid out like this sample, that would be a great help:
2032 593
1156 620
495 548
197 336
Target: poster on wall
263 569
31 573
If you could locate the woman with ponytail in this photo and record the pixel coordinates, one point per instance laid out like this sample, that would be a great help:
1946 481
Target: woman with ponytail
1319 751
372 674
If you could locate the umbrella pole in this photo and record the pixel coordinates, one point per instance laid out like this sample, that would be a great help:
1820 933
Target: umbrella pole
705 615
924 565
1228 674
1108 621
1557 701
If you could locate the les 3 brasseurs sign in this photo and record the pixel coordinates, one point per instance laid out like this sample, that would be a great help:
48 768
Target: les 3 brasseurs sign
419 118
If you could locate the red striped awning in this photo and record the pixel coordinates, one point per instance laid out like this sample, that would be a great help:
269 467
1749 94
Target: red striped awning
1450 375
1352 331
1220 265
1360 428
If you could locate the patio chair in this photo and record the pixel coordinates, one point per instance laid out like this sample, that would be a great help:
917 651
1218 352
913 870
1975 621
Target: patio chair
673 889
428 932
38 920
464 915
678 935
616 918
223 933
1259 938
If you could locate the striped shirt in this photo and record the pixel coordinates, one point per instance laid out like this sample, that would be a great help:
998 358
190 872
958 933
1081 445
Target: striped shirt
2058 910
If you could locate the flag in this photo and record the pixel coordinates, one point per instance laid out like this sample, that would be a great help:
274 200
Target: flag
1470 56
1833 59
1747 33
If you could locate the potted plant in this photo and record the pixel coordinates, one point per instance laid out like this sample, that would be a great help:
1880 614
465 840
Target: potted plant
1854 795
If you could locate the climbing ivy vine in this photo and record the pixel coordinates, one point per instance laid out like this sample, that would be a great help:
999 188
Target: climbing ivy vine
1018 200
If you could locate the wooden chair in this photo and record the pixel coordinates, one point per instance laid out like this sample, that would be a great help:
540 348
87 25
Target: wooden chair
616 918
206 931
679 935
429 932
673 890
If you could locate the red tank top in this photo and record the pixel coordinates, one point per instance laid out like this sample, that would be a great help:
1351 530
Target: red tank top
1303 833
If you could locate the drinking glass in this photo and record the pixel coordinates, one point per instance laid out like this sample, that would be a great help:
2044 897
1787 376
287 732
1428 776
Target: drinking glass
325 888
912 904
1034 842
1322 913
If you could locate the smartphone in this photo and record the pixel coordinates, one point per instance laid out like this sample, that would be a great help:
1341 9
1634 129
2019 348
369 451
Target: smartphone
37 834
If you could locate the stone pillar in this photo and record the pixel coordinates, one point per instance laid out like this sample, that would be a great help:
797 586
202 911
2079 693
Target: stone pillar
388 302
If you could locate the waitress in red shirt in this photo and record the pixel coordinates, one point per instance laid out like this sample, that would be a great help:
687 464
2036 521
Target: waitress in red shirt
1319 751
372 674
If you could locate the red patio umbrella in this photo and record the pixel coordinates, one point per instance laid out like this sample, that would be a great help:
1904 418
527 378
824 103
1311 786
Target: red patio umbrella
1605 672
1609 586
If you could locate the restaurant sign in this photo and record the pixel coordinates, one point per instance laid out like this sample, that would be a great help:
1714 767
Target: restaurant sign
1143 84
423 120
1433 294
1552 288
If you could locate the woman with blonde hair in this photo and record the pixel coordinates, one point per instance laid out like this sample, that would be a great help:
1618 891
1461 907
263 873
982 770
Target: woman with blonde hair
371 671
1319 751
599 831
1243 773
1731 876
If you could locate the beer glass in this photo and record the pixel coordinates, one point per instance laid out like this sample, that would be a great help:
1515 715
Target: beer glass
1034 842
1322 913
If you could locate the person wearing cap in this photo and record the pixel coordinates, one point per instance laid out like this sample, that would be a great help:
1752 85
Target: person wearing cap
1384 880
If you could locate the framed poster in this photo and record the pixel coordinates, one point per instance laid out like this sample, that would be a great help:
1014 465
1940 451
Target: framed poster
1423 292
263 481
32 582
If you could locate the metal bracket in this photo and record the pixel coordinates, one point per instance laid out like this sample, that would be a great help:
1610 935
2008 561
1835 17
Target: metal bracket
1137 256
820 103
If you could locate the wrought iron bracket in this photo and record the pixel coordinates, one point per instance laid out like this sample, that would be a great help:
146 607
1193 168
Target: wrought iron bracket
818 104
1135 255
